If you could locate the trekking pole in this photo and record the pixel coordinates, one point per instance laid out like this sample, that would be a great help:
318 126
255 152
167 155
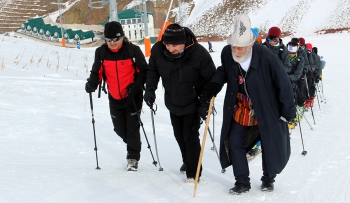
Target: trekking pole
322 92
144 132
302 140
153 111
213 112
318 89
214 146
308 95
203 145
318 101
93 126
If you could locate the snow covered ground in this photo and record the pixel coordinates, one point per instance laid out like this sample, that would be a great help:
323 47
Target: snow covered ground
47 140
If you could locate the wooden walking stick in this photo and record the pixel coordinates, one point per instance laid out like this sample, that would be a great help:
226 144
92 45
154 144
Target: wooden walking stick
203 144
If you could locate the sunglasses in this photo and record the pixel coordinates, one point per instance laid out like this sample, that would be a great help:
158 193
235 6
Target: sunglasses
292 52
112 39
275 40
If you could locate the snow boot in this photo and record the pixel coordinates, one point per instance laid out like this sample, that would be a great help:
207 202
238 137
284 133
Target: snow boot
312 100
132 165
307 105
191 180
240 188
267 186
183 168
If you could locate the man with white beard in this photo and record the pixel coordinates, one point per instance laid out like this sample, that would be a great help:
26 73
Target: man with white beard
258 105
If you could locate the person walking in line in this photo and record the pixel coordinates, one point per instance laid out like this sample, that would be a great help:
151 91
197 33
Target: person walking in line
259 100
275 44
125 79
297 80
185 68
210 47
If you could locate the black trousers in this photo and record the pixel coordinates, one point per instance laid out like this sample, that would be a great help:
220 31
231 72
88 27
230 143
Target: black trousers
187 136
126 125
302 91
311 83
237 146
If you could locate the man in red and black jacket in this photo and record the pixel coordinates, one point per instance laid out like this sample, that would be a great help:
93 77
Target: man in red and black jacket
123 67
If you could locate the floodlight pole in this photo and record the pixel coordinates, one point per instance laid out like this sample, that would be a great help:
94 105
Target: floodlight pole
113 13
59 12
145 17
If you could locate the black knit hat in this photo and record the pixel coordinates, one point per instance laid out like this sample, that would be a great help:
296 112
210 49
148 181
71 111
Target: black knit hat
294 39
174 34
113 29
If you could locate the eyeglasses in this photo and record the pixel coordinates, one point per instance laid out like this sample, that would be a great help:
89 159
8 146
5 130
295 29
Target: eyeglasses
112 39
292 52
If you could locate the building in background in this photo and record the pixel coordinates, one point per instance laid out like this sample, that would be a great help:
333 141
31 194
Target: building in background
133 25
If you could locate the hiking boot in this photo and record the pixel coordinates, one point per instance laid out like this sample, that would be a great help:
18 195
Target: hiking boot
291 125
253 151
307 105
191 180
132 165
183 168
239 188
312 100
267 186
297 118
300 110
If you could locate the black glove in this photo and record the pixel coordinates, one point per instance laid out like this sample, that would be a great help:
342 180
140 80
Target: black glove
313 68
133 89
203 110
317 80
291 119
214 89
149 97
90 86
305 71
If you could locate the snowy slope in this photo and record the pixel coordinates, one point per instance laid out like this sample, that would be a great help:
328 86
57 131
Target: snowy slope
47 141
298 16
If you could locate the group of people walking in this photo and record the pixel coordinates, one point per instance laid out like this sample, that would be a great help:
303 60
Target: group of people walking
264 82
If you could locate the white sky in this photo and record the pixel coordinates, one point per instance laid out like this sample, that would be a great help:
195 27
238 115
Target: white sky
47 142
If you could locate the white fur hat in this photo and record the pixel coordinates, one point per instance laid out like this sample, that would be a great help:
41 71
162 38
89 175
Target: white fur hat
242 35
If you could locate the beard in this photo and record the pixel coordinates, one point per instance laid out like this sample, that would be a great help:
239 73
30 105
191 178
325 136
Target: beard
243 58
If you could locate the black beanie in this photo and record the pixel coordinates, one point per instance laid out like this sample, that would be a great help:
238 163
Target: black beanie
113 29
294 39
314 49
174 34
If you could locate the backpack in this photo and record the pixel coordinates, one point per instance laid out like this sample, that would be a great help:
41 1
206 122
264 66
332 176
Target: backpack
130 49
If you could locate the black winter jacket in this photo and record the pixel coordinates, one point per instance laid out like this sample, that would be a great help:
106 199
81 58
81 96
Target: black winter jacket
185 80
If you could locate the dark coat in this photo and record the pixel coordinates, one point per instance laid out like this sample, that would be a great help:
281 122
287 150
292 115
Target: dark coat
272 97
282 52
297 68
185 80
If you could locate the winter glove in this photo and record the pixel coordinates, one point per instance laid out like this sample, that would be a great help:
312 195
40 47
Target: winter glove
90 86
305 71
317 80
133 89
214 89
149 97
313 68
203 110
